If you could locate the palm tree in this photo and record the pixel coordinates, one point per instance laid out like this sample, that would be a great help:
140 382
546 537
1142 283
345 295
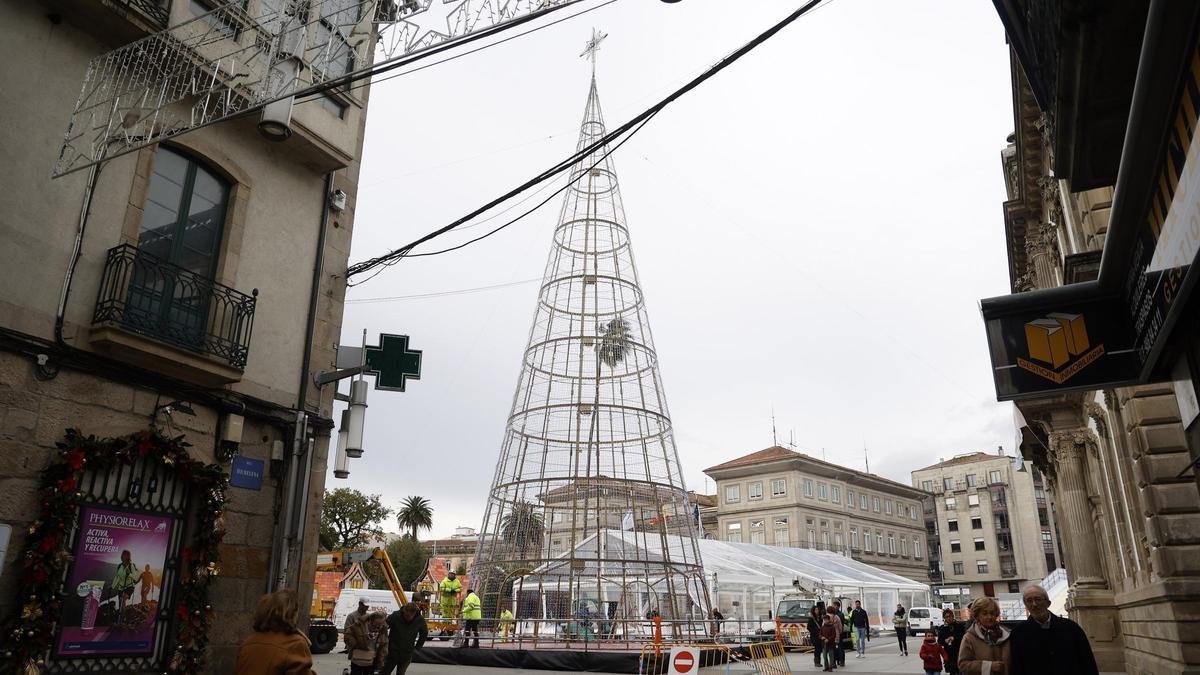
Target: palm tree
614 342
415 514
523 528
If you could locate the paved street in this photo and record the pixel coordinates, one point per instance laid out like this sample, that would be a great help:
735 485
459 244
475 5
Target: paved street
880 661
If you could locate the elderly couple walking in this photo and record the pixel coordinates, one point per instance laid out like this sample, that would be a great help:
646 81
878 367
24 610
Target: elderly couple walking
1043 644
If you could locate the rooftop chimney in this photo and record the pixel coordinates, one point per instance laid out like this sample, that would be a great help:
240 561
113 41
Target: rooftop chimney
1000 450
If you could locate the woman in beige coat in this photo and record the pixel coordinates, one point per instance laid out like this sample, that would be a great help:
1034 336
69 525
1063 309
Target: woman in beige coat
985 647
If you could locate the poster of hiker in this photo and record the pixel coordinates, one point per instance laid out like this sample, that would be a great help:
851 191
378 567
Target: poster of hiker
114 585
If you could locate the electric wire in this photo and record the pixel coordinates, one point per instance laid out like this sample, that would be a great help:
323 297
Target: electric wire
539 204
441 294
637 121
339 83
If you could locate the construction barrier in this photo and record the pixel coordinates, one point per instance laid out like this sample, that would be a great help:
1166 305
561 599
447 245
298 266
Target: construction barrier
683 658
769 658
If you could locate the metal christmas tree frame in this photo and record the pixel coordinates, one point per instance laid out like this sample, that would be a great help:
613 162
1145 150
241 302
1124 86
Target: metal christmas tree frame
588 525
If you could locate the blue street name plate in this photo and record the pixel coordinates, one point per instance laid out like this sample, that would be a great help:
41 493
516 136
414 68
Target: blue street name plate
247 473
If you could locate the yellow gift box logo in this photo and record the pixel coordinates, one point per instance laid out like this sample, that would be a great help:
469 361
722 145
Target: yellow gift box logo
1060 340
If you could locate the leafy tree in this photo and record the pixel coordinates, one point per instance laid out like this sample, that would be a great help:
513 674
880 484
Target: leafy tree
350 518
614 342
415 514
408 558
523 528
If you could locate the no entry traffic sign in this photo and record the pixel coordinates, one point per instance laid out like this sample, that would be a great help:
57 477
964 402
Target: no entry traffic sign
685 660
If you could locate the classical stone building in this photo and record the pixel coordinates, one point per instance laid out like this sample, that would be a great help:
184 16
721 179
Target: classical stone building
1101 241
990 526
193 286
782 497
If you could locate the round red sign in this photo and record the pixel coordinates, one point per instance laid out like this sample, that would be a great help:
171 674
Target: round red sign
684 662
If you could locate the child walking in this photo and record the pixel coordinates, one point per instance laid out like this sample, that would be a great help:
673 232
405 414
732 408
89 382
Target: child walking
932 655
829 640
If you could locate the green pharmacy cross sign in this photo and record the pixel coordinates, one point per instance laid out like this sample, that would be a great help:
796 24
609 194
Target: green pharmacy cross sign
392 362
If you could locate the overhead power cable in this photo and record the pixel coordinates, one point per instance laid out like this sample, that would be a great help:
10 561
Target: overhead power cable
441 294
636 122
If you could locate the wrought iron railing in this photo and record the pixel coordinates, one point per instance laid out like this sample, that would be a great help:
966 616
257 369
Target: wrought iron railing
155 10
147 295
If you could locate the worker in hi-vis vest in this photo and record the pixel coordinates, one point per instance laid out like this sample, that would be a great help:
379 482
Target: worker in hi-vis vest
506 622
450 589
472 612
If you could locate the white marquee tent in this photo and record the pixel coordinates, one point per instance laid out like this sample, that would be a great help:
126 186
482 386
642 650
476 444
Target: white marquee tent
746 581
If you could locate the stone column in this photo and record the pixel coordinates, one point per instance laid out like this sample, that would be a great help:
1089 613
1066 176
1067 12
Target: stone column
1090 601
1072 497
1041 247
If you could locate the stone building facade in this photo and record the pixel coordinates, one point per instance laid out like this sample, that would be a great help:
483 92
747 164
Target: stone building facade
1099 93
990 526
781 497
224 221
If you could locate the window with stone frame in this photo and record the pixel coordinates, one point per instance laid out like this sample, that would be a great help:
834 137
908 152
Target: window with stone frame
779 487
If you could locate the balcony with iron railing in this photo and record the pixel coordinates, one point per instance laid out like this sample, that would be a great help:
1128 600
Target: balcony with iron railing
157 12
166 318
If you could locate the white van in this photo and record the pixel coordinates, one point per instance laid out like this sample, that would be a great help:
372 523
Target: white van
347 602
923 619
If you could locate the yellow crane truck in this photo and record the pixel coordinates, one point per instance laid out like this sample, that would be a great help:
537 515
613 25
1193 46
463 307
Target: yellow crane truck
323 633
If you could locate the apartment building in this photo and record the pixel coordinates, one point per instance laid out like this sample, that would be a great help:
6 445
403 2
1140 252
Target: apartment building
990 526
782 497
188 289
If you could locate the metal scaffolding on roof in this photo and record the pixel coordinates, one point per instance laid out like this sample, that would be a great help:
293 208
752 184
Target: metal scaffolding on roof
588 446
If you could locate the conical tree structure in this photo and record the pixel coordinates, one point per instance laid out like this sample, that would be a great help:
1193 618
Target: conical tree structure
588 517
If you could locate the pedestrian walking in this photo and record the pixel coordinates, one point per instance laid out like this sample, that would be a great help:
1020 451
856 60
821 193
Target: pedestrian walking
832 613
829 639
471 613
357 615
843 636
950 636
367 641
815 619
986 648
933 655
276 647
900 623
862 628
407 632
1048 643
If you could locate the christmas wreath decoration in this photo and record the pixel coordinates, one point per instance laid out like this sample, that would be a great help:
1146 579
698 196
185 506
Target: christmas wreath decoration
29 637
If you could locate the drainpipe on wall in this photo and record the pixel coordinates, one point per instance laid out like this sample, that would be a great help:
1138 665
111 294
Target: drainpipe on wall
294 521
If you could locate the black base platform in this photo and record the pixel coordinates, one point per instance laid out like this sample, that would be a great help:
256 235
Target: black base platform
598 661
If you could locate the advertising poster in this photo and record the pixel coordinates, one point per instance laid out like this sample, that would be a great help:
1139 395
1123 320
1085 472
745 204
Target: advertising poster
114 586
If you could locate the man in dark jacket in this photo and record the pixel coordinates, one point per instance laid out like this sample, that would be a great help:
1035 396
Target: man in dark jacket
406 633
1049 644
862 628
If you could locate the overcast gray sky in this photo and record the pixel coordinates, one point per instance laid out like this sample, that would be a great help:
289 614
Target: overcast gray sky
813 228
